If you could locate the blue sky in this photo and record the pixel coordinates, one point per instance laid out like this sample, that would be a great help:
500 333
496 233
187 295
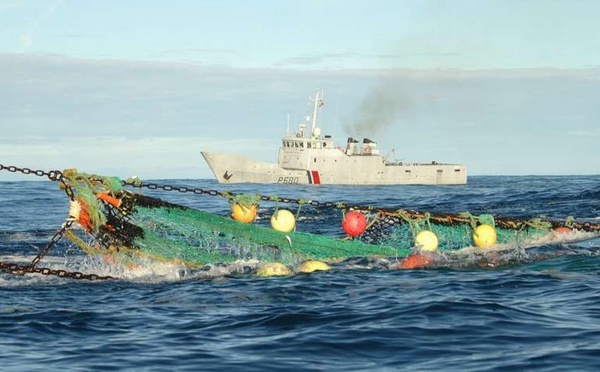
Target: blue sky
141 87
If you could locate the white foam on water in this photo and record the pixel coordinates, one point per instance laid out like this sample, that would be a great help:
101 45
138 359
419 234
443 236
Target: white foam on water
150 271
21 237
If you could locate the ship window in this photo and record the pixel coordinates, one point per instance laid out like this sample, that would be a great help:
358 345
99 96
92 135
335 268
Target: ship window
440 170
407 171
315 160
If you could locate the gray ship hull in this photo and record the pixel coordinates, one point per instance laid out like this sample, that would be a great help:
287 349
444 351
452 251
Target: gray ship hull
332 167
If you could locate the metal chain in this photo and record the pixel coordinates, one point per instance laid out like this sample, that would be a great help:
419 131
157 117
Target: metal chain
56 175
55 238
53 175
17 269
200 191
448 219
22 269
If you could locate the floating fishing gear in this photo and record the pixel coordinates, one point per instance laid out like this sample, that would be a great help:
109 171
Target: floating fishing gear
273 269
244 207
354 223
283 220
117 220
154 228
426 241
312 265
485 236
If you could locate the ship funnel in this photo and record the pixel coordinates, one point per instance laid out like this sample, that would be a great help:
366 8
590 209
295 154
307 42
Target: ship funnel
352 147
369 147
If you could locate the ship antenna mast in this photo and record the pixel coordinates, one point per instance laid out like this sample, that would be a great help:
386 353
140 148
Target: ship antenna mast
316 104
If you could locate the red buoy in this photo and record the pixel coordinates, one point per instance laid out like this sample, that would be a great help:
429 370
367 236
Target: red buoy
354 223
562 230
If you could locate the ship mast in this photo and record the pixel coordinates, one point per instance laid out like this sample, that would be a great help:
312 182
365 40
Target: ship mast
316 104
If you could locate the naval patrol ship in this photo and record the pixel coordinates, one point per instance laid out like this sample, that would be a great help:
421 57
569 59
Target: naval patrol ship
308 157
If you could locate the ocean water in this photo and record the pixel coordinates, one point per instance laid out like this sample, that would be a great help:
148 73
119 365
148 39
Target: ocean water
535 314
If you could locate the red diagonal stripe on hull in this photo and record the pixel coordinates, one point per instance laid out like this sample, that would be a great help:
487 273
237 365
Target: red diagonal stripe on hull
316 178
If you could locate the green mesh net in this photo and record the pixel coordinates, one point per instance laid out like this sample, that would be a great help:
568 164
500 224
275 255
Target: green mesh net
451 238
198 237
124 221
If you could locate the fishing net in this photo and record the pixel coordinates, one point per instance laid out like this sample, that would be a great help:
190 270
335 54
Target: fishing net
116 219
453 232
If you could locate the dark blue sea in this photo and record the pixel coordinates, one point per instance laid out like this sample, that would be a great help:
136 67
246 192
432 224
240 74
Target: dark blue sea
532 315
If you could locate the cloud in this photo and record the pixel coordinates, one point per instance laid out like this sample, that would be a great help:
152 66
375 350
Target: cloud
25 41
26 38
318 60
11 4
150 158
118 117
585 133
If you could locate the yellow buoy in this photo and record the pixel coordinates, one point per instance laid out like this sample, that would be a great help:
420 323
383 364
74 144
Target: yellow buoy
283 220
484 236
310 266
273 269
427 241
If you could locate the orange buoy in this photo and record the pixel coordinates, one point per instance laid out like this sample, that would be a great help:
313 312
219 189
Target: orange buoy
244 213
414 261
354 223
104 196
563 230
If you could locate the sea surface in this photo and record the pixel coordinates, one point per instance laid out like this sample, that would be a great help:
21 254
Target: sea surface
533 314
